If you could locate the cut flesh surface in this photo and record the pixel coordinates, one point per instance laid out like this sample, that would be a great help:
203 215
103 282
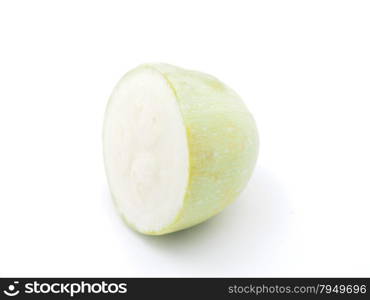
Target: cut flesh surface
145 150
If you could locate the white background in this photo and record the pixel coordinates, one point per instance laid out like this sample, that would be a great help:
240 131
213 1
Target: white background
303 69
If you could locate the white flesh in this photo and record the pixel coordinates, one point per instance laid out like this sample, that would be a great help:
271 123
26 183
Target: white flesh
145 150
